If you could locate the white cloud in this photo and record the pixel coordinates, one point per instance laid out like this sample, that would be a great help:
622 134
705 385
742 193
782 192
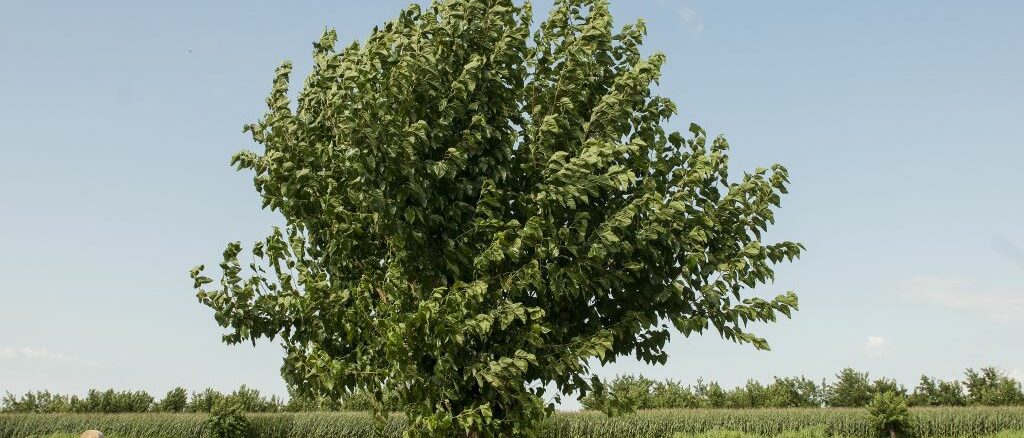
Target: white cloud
39 354
960 293
1016 374
876 344
687 15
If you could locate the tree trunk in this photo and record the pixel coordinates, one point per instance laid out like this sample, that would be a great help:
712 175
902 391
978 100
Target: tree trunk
892 433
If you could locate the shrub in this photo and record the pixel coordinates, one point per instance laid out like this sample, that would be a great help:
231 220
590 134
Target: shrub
889 413
227 420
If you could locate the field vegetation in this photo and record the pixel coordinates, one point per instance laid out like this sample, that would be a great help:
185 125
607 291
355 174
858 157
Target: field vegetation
964 422
849 388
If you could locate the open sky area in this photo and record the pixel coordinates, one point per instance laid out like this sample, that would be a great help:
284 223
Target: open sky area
900 123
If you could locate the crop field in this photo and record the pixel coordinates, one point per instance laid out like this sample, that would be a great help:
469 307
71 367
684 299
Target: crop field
851 423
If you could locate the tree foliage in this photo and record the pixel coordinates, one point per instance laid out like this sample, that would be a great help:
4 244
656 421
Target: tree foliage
228 420
176 400
852 389
889 412
628 393
474 214
935 392
990 386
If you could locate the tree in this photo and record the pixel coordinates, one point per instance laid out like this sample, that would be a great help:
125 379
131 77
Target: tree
888 412
885 384
205 401
752 395
990 386
625 394
249 400
227 419
711 395
41 402
851 390
473 216
672 394
176 400
793 392
951 393
935 392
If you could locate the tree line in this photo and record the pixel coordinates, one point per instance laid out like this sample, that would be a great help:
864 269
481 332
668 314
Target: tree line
850 388
176 400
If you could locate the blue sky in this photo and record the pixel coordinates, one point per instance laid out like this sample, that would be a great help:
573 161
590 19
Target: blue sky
899 122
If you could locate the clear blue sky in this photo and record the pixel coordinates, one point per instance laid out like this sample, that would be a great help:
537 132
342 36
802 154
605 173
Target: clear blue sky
899 121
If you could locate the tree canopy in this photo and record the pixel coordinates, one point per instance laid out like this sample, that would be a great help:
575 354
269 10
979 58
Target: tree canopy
477 210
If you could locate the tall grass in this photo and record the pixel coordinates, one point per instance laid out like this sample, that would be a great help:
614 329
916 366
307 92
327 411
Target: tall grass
851 423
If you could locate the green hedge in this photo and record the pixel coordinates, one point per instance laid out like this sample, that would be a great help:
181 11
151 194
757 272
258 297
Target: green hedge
929 422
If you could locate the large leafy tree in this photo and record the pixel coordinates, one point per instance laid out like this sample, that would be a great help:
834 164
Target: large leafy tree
474 215
851 390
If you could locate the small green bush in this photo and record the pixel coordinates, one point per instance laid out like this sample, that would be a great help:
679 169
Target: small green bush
889 413
227 420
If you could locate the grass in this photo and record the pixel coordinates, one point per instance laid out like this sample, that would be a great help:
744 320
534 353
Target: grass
813 433
968 422
70 435
805 433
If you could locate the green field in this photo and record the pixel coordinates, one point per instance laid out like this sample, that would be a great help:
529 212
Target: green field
851 423
715 434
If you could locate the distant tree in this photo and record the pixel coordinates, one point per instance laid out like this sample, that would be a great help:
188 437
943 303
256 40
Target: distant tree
249 400
934 392
37 402
885 384
205 401
889 413
672 394
624 394
111 402
12 403
176 400
474 216
851 389
951 393
753 394
792 392
227 419
990 386
711 395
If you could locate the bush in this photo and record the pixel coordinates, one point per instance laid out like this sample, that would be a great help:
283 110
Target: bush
227 420
889 413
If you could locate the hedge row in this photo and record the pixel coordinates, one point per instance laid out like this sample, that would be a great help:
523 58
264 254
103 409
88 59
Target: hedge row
929 422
